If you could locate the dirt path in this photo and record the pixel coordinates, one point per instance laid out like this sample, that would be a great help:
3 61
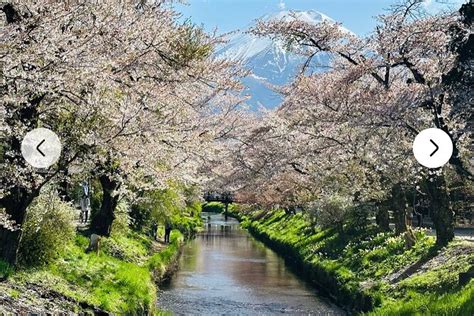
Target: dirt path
429 263
29 298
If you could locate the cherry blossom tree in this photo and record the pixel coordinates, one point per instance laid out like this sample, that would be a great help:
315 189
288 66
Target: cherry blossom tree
128 89
349 130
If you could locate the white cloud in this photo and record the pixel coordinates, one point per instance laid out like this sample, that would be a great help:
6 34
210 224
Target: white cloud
282 5
427 3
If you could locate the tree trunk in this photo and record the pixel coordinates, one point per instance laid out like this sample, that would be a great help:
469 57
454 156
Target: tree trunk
399 204
10 242
15 205
443 216
382 218
102 221
17 199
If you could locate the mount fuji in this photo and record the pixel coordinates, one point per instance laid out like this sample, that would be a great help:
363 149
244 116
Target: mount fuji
270 63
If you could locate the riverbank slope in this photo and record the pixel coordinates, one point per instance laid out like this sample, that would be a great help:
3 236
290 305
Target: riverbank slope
121 279
370 271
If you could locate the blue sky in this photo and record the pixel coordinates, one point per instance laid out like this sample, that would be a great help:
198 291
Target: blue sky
228 15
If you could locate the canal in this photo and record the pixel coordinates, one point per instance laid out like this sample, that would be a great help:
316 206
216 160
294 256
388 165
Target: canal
225 271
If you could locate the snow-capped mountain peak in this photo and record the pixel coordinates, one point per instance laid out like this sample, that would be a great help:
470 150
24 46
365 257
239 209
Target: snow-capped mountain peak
310 16
269 61
244 46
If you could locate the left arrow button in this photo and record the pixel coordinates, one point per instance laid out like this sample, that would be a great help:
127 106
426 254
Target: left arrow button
41 148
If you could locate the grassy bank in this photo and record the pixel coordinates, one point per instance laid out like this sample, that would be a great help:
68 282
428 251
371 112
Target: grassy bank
120 279
370 271
56 275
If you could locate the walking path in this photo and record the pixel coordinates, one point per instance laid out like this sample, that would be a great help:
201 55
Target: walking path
461 233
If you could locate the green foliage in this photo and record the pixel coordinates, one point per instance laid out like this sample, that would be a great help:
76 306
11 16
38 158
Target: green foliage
177 204
47 230
356 265
331 211
193 44
358 217
105 281
213 207
186 223
120 279
160 261
5 270
121 223
452 303
140 214
96 196
130 247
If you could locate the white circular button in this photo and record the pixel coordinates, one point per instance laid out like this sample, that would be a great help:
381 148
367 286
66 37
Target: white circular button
432 148
41 148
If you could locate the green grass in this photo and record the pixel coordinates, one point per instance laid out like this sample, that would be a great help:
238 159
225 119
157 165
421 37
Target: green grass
120 280
458 302
159 262
5 270
213 207
99 280
356 266
15 294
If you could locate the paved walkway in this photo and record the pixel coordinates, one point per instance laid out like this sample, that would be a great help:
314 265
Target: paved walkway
461 233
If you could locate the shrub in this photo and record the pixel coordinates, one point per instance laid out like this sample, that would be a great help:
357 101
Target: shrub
5 270
155 206
331 211
96 196
213 207
358 216
48 228
141 216
186 224
122 221
176 203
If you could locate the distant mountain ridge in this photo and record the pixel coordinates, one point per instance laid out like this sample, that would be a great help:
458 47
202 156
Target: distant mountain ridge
269 61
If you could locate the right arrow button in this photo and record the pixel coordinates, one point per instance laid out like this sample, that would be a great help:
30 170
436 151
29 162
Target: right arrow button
423 148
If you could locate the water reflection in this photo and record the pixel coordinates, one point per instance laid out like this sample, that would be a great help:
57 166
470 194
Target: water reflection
226 271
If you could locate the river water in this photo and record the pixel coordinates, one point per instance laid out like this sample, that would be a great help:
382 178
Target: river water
225 271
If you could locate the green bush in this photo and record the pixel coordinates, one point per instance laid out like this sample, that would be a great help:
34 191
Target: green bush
156 206
213 207
141 216
96 196
331 211
177 204
186 224
358 217
5 270
122 221
48 228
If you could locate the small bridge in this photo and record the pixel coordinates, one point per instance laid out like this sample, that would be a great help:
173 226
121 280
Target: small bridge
223 197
